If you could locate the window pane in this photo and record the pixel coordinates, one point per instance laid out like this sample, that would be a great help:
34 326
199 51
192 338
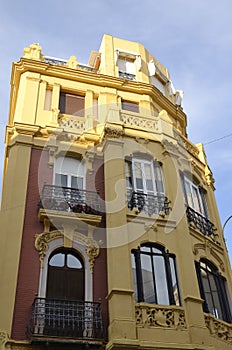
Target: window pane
158 178
138 176
174 281
61 180
73 262
148 177
161 280
148 282
146 249
189 194
77 182
217 312
134 278
196 199
57 260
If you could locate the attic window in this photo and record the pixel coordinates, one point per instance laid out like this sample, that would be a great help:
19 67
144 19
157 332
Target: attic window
72 104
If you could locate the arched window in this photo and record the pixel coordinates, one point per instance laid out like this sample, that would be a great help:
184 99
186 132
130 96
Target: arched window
154 275
213 290
65 279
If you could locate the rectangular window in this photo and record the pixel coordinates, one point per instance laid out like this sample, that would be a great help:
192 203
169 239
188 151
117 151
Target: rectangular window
130 106
194 196
126 66
72 104
126 69
48 100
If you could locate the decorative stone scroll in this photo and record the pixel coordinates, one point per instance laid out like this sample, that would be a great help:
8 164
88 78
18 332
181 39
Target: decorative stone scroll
139 122
42 240
219 328
160 316
41 243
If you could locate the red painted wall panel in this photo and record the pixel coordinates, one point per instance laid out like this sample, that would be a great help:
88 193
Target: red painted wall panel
29 265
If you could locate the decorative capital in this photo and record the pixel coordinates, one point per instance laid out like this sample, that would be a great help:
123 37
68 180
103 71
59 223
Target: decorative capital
113 131
41 243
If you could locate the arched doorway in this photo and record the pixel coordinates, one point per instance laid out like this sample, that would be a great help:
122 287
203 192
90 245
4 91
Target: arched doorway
65 278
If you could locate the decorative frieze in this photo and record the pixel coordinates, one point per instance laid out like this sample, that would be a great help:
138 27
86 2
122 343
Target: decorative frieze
219 328
160 316
72 122
139 122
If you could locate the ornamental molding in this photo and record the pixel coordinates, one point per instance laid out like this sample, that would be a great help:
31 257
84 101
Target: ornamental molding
148 316
209 252
170 147
92 246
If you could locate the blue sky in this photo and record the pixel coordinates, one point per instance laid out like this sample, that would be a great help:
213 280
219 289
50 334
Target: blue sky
193 39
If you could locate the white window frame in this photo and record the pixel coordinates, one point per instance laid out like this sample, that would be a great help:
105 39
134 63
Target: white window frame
81 249
144 189
70 167
193 197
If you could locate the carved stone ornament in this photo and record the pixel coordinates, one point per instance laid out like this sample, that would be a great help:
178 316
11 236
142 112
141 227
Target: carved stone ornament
3 339
156 316
114 132
41 243
170 147
218 328
42 240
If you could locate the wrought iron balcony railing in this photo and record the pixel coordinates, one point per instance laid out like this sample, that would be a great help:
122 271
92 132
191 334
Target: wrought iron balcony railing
201 222
148 203
127 76
70 199
78 320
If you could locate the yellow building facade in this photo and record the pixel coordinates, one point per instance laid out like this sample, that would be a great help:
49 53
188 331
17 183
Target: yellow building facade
110 235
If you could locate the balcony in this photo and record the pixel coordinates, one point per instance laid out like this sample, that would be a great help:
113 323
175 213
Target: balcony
127 76
148 203
66 321
70 200
200 222
61 62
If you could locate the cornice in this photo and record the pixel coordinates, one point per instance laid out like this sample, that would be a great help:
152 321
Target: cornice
26 65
